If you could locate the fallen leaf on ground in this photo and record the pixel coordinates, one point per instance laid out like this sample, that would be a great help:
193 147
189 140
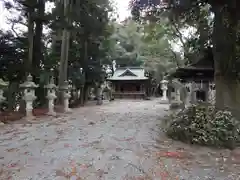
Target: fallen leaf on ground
12 165
84 166
12 150
170 154
91 123
67 145
125 139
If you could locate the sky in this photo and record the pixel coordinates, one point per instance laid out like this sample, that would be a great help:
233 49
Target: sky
3 14
121 8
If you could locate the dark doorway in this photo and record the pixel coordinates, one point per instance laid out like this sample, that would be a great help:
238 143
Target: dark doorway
121 89
138 88
201 95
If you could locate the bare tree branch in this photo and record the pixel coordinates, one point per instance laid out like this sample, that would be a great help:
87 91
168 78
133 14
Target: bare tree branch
13 30
178 33
175 58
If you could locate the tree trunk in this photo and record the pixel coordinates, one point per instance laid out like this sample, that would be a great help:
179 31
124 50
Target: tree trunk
11 95
38 45
203 30
224 50
63 60
28 64
99 95
82 96
38 57
64 53
86 94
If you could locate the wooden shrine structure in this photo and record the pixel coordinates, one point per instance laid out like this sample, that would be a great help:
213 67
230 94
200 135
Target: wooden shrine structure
129 82
198 77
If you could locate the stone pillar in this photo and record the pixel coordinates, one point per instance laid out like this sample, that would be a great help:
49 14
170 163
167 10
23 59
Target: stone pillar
74 93
188 94
164 88
193 93
66 96
99 94
2 98
29 96
211 93
178 97
51 96
175 101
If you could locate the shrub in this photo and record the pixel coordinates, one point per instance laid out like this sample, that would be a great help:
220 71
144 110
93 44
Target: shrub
203 124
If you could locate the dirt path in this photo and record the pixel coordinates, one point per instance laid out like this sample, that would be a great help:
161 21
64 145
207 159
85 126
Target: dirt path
120 140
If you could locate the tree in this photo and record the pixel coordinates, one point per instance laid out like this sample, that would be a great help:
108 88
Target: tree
225 25
88 26
157 52
126 42
12 55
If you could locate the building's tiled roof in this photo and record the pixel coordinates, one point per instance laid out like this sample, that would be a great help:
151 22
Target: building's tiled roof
129 73
203 68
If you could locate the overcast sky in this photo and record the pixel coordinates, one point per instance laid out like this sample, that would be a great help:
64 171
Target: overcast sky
121 5
122 8
3 14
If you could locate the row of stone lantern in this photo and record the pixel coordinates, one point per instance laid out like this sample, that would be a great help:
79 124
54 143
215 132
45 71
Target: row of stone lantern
29 96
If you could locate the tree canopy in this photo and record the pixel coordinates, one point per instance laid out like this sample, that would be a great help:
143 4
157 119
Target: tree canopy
217 24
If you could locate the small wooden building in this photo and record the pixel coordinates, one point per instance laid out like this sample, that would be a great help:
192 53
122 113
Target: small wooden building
201 70
129 82
200 75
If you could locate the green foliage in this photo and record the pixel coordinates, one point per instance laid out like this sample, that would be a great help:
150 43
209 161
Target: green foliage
88 23
204 125
125 43
147 45
12 55
88 43
179 16
156 50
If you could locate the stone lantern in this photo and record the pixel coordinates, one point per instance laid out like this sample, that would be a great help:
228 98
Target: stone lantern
3 84
29 95
51 96
178 95
164 88
188 94
82 80
66 96
99 93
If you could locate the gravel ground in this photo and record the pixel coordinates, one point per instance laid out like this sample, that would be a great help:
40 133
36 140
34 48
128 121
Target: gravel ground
121 140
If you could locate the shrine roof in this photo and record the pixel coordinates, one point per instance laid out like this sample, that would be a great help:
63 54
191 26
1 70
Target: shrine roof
128 73
202 68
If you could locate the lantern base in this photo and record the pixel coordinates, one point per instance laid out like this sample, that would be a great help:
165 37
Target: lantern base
164 101
67 110
52 113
